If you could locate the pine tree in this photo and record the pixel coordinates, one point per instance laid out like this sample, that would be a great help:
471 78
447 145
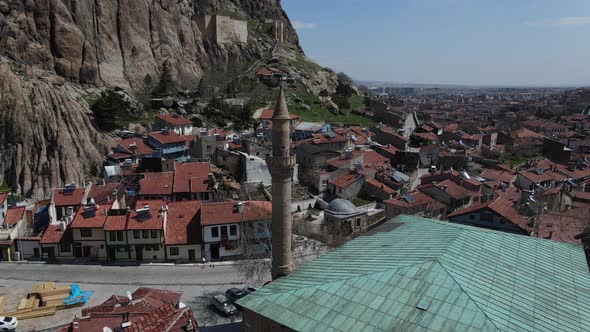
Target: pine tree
166 86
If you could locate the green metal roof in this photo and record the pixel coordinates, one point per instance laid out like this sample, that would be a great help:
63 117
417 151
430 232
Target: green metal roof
427 275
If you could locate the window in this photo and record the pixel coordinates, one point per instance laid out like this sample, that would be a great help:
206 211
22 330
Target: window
36 252
145 234
214 232
487 217
119 236
121 249
233 230
324 181
148 248
358 223
65 247
154 234
113 236
155 247
174 251
208 147
85 232
205 196
136 234
471 216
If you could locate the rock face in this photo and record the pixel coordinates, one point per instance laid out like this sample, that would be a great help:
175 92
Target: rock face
50 49
47 137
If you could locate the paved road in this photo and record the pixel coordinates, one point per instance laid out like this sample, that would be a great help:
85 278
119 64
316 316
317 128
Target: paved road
122 275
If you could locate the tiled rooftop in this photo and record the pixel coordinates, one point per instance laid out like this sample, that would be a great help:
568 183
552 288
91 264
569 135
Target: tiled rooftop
426 275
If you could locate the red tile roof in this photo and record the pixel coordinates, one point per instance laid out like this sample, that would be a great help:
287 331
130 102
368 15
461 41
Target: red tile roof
3 197
151 310
73 199
169 138
54 235
268 113
420 198
159 183
325 139
14 215
427 136
526 133
116 223
501 207
174 119
344 160
545 176
564 226
227 212
90 218
346 180
453 189
191 177
182 226
374 160
146 221
381 186
140 147
490 174
511 194
104 193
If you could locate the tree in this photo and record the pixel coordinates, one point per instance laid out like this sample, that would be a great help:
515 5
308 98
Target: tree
110 110
166 85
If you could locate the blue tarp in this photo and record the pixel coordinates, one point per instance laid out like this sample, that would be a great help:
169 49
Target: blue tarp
78 296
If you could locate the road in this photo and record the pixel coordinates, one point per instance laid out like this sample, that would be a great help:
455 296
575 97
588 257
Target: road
156 275
197 285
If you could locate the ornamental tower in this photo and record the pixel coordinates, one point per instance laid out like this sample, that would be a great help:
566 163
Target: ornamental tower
281 165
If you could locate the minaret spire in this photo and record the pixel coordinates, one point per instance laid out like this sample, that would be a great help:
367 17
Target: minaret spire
281 164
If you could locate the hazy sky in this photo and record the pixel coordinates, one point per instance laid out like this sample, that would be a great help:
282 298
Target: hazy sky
500 42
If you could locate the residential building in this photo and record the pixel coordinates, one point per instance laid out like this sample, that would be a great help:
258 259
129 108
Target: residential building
306 129
497 214
203 147
11 227
130 150
116 236
174 122
193 181
66 201
416 274
145 230
88 231
347 185
183 231
169 144
538 179
449 193
3 206
156 185
265 127
229 227
415 203
56 242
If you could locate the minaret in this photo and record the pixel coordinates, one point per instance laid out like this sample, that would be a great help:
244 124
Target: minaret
281 165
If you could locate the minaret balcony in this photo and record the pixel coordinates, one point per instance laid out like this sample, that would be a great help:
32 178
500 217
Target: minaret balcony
281 163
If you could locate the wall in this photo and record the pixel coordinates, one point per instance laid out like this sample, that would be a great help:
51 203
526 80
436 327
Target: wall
207 233
27 248
223 29
183 252
253 322
302 205
142 240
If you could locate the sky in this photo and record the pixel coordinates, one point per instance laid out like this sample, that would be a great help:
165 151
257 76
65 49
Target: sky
467 42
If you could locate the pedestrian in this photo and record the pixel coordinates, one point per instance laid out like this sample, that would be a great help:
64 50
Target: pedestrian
204 261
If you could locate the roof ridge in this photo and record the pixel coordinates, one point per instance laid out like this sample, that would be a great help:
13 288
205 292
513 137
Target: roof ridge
467 294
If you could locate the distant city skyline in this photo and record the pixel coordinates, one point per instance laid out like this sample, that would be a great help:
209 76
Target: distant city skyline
460 42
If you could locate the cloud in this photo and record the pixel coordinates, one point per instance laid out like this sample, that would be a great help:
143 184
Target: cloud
562 21
299 25
579 20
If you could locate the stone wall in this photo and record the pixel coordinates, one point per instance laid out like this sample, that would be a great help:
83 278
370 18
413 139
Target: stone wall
222 29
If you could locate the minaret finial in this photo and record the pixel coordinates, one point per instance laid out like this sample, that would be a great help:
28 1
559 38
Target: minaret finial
281 109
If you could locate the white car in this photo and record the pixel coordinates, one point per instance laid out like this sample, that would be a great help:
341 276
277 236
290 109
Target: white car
8 324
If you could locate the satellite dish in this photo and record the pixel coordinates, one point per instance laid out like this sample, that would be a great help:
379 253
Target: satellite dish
129 296
106 329
181 305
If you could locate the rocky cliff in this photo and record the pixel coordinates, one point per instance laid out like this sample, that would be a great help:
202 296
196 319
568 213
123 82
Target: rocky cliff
53 49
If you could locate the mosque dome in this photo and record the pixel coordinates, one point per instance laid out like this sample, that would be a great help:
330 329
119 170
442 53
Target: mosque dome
341 206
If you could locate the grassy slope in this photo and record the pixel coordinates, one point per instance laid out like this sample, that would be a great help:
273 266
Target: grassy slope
316 113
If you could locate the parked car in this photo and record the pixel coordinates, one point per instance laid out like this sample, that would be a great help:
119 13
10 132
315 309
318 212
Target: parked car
224 305
250 289
234 294
8 324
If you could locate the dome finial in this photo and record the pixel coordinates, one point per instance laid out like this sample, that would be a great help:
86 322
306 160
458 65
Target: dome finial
281 110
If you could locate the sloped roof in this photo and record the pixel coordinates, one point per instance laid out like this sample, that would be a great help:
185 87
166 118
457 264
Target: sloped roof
500 206
430 275
14 215
182 226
